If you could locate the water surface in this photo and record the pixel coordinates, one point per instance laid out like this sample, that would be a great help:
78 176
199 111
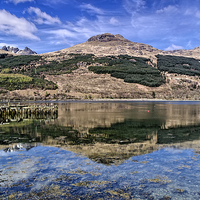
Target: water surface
130 150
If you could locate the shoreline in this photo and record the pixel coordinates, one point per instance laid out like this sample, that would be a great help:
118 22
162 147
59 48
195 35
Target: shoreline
97 101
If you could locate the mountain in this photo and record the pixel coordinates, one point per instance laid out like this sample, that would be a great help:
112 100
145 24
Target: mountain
26 51
106 66
109 44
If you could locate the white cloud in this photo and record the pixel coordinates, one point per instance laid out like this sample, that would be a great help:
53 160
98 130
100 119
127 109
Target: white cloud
92 9
19 1
169 9
62 33
134 6
12 25
43 17
61 36
155 21
193 12
189 44
114 21
54 2
86 28
198 14
5 44
75 33
173 47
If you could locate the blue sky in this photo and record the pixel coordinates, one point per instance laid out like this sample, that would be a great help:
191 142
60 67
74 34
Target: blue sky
51 25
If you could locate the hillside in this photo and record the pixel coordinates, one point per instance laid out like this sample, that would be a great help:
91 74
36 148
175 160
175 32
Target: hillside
3 52
104 67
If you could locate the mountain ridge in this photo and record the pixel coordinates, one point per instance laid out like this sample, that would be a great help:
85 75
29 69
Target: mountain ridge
15 50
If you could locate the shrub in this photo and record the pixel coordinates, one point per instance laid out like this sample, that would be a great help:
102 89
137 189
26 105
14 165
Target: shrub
19 81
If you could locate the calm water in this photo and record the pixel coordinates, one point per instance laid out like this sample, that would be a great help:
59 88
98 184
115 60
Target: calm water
103 151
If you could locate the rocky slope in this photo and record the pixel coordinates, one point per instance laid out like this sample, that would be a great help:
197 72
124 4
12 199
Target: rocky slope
26 51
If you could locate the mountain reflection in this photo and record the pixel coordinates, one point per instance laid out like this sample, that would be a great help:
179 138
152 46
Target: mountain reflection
108 132
83 116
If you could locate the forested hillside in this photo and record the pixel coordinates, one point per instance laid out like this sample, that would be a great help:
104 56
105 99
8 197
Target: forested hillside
178 64
18 72
88 75
131 69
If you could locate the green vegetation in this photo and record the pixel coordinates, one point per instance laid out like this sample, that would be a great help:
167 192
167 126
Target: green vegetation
5 71
178 134
129 131
84 58
179 65
14 131
15 74
131 69
3 55
56 68
35 67
17 61
19 82
14 81
65 66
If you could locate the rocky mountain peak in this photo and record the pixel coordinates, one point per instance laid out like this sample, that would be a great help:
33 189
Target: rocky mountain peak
107 37
26 51
10 49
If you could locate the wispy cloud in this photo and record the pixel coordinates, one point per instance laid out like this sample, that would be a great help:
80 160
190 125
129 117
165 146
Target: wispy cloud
160 23
193 12
173 47
12 25
80 30
189 44
19 1
72 33
164 22
134 6
91 9
63 33
43 17
55 3
168 10
5 44
114 21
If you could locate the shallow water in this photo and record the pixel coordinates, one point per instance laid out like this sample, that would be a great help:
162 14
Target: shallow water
132 150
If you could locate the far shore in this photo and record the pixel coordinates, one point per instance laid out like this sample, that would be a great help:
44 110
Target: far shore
97 101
